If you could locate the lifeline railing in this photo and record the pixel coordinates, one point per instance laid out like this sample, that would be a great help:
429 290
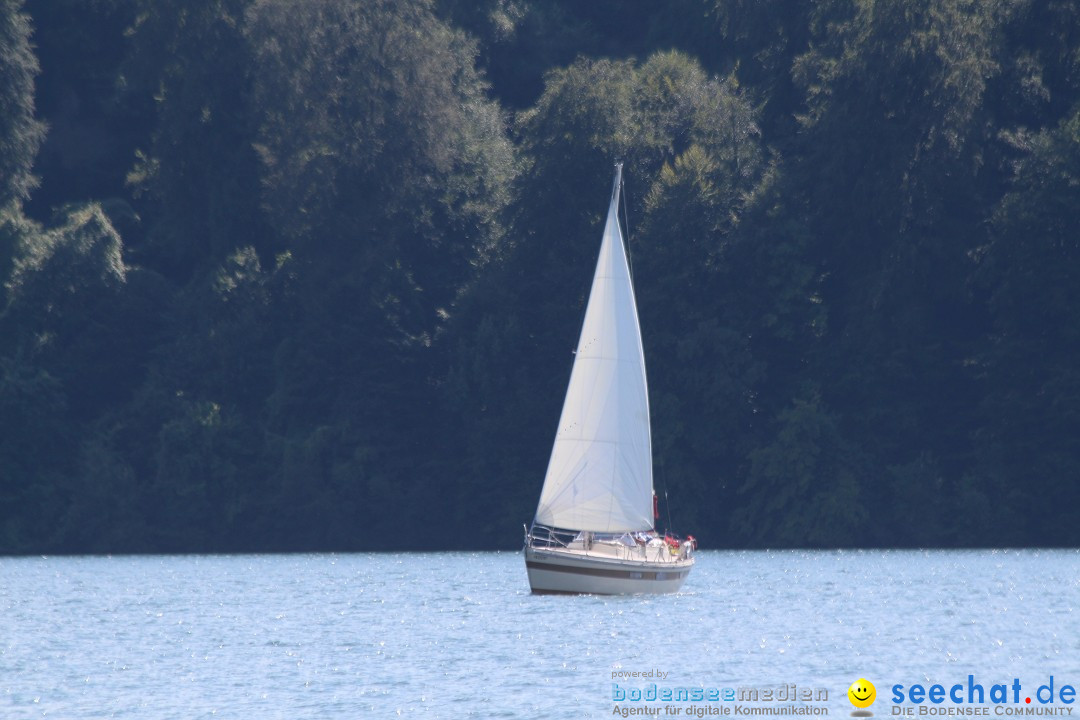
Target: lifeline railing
545 537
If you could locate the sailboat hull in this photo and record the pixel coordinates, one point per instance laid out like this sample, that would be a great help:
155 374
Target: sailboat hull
569 572
589 531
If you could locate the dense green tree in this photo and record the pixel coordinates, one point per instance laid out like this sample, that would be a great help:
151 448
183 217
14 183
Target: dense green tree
893 211
334 305
35 434
20 132
755 40
379 147
702 371
520 41
15 227
54 268
803 487
693 136
94 127
76 333
386 171
1031 388
106 508
1040 64
68 311
196 179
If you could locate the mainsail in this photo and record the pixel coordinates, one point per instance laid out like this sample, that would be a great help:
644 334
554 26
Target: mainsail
599 477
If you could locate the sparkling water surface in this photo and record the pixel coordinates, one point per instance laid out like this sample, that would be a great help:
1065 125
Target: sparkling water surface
457 635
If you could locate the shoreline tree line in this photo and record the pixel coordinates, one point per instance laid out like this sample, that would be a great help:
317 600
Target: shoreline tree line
291 276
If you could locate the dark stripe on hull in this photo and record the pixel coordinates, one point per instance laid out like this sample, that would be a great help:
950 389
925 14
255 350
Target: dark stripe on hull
605 572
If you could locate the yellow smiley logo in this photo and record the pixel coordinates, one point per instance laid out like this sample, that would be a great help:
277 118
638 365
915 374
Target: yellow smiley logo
862 693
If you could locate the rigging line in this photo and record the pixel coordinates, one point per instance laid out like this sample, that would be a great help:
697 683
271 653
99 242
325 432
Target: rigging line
626 226
667 503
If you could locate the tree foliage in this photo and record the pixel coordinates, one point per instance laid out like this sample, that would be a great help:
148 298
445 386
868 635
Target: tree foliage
308 275
195 176
20 132
693 140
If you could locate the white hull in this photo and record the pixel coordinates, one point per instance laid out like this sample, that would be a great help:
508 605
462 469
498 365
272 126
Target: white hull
566 571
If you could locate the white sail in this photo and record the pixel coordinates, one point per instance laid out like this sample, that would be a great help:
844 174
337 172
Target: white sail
599 477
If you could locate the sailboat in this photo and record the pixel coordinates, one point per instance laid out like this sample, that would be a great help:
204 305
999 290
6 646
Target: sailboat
593 531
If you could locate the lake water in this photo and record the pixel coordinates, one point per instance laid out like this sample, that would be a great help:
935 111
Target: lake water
458 635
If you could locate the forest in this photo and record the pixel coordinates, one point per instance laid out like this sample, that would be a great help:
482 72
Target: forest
307 275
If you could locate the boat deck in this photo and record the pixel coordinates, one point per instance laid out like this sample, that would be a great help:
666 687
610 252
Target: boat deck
656 552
